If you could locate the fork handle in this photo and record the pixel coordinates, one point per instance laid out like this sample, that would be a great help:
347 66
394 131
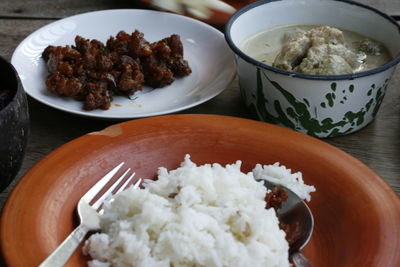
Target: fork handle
64 251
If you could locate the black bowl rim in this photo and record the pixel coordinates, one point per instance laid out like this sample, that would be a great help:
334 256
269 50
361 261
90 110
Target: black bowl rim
352 76
18 85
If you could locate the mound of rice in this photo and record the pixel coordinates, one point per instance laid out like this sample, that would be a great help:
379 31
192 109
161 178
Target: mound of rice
206 215
279 174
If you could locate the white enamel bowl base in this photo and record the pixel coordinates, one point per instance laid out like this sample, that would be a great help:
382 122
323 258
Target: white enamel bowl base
321 106
211 60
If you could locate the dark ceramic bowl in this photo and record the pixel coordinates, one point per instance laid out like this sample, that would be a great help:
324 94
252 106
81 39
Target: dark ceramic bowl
14 123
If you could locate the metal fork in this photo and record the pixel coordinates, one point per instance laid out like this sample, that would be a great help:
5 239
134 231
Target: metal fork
88 215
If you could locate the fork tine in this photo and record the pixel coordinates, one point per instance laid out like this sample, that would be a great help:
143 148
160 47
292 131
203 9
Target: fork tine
125 184
95 189
109 191
122 188
136 185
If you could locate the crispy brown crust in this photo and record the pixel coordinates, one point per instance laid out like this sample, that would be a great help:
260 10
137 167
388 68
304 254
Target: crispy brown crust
93 72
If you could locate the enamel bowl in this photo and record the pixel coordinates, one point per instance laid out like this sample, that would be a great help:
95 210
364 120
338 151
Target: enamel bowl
318 105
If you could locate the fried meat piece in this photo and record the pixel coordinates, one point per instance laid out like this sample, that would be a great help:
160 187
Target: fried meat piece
178 65
292 231
54 56
131 78
165 62
138 46
64 86
97 96
92 71
170 50
275 198
156 72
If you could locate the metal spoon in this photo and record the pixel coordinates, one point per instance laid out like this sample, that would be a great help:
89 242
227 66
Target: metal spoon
293 210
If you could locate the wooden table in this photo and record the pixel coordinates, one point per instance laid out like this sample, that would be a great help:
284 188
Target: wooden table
377 145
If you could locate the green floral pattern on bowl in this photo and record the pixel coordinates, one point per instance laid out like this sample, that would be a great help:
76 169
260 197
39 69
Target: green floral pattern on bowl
271 102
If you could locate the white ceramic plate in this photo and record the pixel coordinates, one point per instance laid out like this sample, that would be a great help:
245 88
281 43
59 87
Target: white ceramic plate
211 60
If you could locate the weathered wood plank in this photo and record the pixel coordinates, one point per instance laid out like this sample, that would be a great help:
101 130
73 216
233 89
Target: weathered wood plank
58 8
64 8
13 31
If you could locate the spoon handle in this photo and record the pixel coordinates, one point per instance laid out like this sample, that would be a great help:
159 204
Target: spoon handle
300 260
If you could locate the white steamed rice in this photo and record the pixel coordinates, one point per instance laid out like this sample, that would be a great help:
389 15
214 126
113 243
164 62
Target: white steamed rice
205 215
278 174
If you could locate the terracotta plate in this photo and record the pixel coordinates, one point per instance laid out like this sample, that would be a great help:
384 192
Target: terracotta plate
356 213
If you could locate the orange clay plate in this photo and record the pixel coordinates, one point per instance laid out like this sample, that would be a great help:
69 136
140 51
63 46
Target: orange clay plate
356 213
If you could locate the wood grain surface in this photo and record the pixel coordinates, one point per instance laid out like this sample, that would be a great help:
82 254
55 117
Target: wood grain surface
377 145
63 8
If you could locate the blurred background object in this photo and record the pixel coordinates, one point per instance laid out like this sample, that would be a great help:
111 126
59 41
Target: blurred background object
214 12
202 9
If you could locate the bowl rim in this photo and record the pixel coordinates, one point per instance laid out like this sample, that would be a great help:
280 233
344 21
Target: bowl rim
238 52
